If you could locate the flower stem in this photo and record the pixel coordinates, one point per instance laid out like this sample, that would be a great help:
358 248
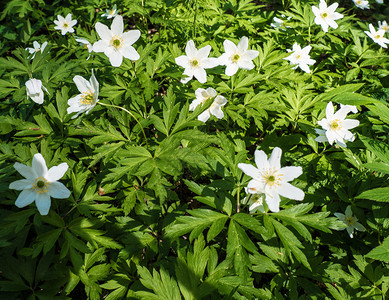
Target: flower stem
131 114
238 201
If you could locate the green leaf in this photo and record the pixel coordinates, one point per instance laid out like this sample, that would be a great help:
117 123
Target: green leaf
196 224
290 242
378 194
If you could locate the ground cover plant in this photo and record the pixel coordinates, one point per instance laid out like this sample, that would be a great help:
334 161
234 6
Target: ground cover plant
199 149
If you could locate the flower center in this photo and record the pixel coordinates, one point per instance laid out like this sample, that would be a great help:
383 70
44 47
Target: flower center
117 42
66 25
195 63
335 125
324 15
298 56
377 36
87 98
272 177
41 185
350 220
235 57
111 12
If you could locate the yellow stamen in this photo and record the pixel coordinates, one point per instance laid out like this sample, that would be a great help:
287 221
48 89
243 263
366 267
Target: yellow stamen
272 177
117 42
87 98
235 57
194 63
335 125
41 185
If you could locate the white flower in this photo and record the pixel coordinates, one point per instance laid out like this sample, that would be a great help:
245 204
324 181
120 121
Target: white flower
350 221
36 48
272 180
326 16
383 26
34 90
236 57
114 43
336 126
350 108
256 201
195 62
111 13
88 98
202 95
40 184
377 36
279 23
65 24
300 57
86 44
380 1
362 4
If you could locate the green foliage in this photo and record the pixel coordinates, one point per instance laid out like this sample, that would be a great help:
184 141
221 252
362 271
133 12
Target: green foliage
158 208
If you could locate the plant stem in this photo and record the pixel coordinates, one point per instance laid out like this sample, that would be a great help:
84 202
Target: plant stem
131 114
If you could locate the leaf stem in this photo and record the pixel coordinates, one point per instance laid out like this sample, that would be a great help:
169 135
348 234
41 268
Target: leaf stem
131 114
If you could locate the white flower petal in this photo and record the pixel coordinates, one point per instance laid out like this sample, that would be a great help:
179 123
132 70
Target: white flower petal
57 172
131 36
204 116
81 83
243 44
22 184
115 58
103 31
229 47
275 158
231 69
290 173
39 165
200 75
25 198
58 190
261 160
117 25
43 203
289 191
249 170
129 52
25 171
273 202
190 48
100 46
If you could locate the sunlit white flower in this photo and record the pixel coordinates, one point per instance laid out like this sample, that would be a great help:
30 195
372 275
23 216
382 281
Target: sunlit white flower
36 48
362 4
35 89
114 43
88 98
65 24
195 62
272 180
40 184
383 26
111 13
350 108
336 126
326 16
350 221
279 23
378 36
237 57
300 57
202 95
86 44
